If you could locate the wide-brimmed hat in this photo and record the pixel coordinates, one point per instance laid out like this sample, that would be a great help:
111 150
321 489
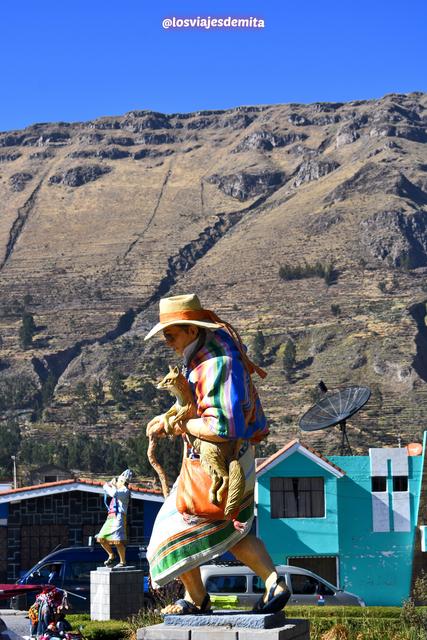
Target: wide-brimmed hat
185 309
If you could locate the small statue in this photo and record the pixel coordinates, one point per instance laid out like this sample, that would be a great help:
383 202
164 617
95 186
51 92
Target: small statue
218 459
114 530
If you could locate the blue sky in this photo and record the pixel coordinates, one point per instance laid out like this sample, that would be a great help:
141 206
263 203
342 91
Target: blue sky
83 59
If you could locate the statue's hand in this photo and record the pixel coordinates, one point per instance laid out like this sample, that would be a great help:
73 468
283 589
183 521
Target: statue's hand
177 427
156 427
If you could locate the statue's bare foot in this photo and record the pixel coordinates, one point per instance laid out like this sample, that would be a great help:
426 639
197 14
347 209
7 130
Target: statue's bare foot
184 607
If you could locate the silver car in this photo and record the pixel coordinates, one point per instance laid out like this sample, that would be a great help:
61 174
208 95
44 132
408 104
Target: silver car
305 587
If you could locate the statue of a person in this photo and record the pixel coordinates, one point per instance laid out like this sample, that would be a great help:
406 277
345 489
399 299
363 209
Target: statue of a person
228 408
113 533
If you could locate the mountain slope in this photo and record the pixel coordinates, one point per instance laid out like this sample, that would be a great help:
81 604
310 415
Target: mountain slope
100 219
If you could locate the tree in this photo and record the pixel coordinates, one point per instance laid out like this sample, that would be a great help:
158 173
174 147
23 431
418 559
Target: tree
288 353
258 346
87 402
82 394
16 392
147 392
27 330
98 392
90 412
137 455
75 450
10 440
117 388
48 389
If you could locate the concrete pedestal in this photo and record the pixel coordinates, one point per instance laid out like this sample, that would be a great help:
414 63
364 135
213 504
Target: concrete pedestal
237 626
115 593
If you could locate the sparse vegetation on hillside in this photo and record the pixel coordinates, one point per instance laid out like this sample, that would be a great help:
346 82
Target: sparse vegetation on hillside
323 270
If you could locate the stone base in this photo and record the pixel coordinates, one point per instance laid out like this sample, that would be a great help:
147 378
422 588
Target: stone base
229 619
116 592
290 630
129 567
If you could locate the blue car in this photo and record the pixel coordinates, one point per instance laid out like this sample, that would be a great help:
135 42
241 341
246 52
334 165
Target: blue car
70 568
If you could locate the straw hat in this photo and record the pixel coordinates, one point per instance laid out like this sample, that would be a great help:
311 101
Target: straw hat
185 309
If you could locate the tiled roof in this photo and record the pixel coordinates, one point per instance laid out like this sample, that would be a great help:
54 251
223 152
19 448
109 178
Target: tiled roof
266 463
62 483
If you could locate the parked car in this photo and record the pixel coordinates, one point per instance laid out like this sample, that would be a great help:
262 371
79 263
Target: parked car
70 568
305 587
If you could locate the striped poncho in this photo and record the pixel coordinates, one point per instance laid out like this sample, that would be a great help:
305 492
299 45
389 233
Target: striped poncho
220 386
221 390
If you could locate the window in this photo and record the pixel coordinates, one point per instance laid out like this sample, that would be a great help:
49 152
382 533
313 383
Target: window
323 566
306 585
379 483
258 585
80 571
226 584
400 483
51 478
297 497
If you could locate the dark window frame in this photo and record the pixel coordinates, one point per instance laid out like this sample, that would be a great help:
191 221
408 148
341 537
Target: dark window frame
297 497
379 484
50 478
400 483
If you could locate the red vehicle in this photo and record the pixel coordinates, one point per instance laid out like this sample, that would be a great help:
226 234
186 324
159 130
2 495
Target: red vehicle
10 590
7 591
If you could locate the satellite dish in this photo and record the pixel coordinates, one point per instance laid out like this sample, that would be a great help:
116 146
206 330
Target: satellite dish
334 409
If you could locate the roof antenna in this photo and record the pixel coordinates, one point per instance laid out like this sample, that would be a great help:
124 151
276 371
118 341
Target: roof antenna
322 386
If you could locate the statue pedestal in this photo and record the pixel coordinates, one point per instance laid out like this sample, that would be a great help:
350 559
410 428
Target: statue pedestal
227 625
115 593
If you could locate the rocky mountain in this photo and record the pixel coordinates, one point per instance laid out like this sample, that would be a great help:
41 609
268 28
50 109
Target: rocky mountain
303 225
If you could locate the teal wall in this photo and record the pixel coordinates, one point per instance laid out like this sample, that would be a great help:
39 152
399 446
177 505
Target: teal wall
298 536
375 566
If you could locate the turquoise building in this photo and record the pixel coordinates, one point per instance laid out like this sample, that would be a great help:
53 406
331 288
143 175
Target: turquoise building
351 519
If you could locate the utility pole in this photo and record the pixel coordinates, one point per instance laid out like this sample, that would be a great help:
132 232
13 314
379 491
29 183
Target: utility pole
15 484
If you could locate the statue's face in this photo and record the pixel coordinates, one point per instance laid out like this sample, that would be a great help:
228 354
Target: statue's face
178 337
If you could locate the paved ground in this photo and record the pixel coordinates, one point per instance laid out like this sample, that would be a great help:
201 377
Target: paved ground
17 624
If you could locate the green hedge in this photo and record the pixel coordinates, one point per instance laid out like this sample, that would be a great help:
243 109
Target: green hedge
99 630
362 623
343 612
112 629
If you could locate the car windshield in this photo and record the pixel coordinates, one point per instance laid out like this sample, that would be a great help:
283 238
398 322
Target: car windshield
45 574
